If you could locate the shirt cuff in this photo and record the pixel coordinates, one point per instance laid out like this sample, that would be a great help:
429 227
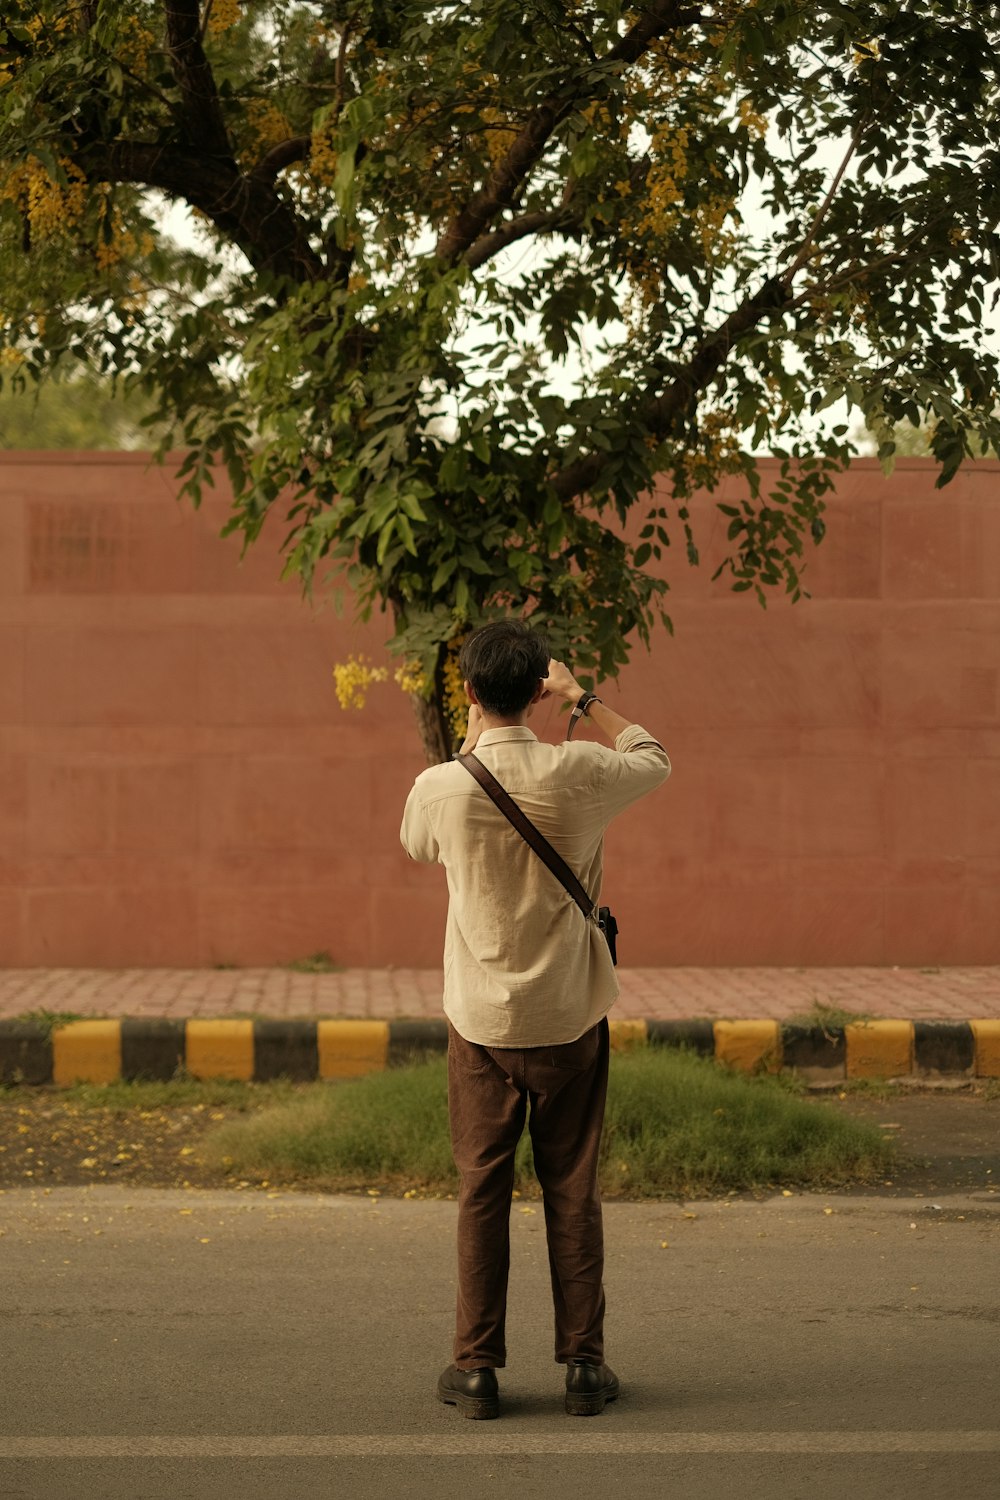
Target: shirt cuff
633 738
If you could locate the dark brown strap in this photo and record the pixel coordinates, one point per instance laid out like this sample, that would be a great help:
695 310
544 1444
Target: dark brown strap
528 831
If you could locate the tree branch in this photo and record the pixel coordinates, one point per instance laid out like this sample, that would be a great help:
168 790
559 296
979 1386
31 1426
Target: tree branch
824 208
296 148
861 273
248 211
658 412
202 112
505 180
488 245
340 71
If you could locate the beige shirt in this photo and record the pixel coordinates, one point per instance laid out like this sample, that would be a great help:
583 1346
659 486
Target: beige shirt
523 967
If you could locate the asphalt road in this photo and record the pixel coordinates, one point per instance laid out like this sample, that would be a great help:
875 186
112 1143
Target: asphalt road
160 1343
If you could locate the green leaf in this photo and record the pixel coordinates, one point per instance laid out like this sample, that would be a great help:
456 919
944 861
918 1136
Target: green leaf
442 573
385 538
343 179
585 158
411 505
406 532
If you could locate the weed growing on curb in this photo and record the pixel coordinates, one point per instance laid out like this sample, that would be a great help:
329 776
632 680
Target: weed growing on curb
315 963
50 1020
826 1017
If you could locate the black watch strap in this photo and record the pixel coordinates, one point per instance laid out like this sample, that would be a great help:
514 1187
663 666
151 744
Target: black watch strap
578 712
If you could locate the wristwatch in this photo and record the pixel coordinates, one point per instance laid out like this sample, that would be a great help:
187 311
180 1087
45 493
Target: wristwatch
580 710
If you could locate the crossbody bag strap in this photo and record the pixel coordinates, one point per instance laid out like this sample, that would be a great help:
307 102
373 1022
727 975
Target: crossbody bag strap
528 831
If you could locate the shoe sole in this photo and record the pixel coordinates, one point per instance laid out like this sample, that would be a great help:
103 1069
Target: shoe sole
476 1408
590 1405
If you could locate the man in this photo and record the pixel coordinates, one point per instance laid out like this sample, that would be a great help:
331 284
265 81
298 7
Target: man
528 982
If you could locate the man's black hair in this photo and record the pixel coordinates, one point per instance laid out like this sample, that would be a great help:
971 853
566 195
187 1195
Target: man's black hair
505 661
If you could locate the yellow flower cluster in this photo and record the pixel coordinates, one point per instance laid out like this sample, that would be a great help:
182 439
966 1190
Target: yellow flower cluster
43 32
664 180
410 677
500 135
353 678
107 253
223 15
323 153
456 704
50 208
135 42
719 448
710 218
10 359
751 120
866 52
267 123
123 245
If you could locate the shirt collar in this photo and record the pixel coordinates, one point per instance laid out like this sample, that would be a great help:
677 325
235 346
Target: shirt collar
506 733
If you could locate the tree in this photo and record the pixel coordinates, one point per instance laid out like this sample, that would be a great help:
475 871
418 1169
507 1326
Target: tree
471 275
80 411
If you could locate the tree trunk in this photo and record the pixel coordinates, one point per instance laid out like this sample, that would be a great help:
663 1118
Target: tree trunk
434 734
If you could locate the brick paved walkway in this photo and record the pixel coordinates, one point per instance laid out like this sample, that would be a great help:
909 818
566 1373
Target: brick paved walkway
666 994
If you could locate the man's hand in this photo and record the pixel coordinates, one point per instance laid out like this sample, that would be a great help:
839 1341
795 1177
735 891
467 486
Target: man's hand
560 683
473 731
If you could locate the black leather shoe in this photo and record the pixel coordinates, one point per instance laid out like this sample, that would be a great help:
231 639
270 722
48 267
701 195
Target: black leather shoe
474 1392
589 1387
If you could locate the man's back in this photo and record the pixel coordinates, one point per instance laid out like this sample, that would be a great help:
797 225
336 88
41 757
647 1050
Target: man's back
523 966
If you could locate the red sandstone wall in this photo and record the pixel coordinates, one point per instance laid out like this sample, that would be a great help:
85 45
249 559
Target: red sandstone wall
178 784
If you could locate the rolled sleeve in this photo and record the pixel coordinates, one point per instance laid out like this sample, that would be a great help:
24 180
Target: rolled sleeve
416 834
639 765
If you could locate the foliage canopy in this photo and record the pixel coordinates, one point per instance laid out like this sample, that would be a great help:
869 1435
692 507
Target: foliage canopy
78 411
469 275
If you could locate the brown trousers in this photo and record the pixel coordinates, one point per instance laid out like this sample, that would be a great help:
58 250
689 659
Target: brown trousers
489 1090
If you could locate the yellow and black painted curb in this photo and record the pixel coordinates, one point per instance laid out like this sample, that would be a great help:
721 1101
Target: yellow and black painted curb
103 1051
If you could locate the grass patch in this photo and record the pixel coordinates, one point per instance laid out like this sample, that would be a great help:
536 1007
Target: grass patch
315 963
676 1125
50 1020
679 1124
388 1129
827 1016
